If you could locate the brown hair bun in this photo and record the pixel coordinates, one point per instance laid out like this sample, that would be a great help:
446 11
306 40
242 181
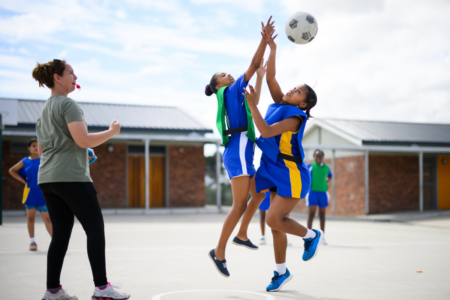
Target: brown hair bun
43 73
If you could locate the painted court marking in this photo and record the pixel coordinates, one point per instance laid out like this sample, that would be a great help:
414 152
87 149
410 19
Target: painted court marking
268 297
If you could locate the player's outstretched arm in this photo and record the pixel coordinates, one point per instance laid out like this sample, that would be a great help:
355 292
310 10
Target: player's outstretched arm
259 78
254 65
274 87
266 130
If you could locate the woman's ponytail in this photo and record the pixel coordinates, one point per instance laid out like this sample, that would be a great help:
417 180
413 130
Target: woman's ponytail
43 73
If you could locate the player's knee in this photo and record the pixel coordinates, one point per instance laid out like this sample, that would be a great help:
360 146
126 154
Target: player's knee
272 221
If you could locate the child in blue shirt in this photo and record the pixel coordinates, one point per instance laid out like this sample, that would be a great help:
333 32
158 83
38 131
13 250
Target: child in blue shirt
26 171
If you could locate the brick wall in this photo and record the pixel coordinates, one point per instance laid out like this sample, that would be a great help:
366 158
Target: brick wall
109 176
186 176
12 189
393 183
350 190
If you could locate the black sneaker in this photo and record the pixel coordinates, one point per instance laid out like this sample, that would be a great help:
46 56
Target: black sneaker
246 244
221 265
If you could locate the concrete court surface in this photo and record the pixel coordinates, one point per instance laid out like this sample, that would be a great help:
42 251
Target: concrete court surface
164 257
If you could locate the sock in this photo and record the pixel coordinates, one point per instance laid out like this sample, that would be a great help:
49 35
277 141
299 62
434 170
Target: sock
310 234
281 268
54 290
102 287
32 240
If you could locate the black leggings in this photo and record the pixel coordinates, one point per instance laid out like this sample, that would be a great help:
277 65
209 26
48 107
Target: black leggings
64 201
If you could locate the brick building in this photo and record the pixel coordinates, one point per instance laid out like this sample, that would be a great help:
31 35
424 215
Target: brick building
382 167
170 174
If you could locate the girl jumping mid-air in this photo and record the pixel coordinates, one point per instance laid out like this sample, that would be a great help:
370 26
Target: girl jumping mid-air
235 125
282 169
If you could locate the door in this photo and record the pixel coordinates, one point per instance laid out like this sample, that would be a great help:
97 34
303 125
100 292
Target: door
136 181
443 171
429 183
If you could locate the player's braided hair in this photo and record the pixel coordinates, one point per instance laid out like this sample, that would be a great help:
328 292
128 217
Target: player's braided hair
211 87
311 99
43 73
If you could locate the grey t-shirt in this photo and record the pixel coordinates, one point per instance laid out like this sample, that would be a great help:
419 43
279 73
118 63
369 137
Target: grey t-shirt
62 159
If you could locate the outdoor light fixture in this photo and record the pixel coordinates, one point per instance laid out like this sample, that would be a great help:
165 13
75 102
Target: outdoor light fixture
444 161
181 149
110 148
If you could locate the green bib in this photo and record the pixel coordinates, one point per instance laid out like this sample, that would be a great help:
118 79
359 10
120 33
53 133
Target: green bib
221 114
319 177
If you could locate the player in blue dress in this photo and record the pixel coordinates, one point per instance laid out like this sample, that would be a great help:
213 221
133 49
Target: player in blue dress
282 169
235 125
26 171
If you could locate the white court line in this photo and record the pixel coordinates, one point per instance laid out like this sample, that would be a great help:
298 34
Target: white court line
206 247
158 297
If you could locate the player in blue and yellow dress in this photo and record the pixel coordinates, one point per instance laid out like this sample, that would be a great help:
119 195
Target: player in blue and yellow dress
235 125
26 171
282 169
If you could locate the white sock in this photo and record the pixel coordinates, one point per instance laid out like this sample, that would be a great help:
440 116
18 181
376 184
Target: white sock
310 234
281 268
32 240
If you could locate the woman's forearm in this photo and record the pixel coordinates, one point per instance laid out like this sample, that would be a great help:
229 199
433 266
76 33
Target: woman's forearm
95 139
256 60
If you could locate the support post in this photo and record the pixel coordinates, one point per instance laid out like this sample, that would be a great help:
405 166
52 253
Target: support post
1 171
333 179
421 181
366 179
147 174
218 187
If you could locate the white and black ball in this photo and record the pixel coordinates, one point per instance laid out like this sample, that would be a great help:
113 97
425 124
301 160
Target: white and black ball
301 27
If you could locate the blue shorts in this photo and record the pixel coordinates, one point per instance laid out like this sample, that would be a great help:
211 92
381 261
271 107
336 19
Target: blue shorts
42 208
289 178
265 204
238 156
317 199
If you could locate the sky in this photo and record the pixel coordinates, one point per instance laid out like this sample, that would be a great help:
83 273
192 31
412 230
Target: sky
371 59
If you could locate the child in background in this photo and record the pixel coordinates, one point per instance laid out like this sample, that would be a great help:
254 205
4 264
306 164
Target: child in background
26 172
318 195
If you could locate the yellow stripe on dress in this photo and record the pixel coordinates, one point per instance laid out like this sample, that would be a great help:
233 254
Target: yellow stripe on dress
26 191
294 172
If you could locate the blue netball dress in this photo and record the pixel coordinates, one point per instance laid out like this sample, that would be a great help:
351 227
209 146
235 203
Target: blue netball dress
239 151
32 194
282 165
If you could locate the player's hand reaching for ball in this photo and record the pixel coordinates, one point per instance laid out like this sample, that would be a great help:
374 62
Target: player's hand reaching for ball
115 127
250 96
269 27
269 38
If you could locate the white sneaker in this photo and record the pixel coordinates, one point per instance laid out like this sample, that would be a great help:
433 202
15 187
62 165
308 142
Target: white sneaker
262 241
289 243
323 241
59 295
110 293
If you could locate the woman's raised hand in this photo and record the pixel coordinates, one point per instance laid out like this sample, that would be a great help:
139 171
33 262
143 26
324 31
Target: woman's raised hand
115 127
250 96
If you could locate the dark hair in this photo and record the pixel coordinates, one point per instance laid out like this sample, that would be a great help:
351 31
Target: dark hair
31 141
211 87
311 100
43 73
320 151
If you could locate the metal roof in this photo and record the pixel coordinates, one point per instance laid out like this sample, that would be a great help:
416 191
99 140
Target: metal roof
393 133
138 117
